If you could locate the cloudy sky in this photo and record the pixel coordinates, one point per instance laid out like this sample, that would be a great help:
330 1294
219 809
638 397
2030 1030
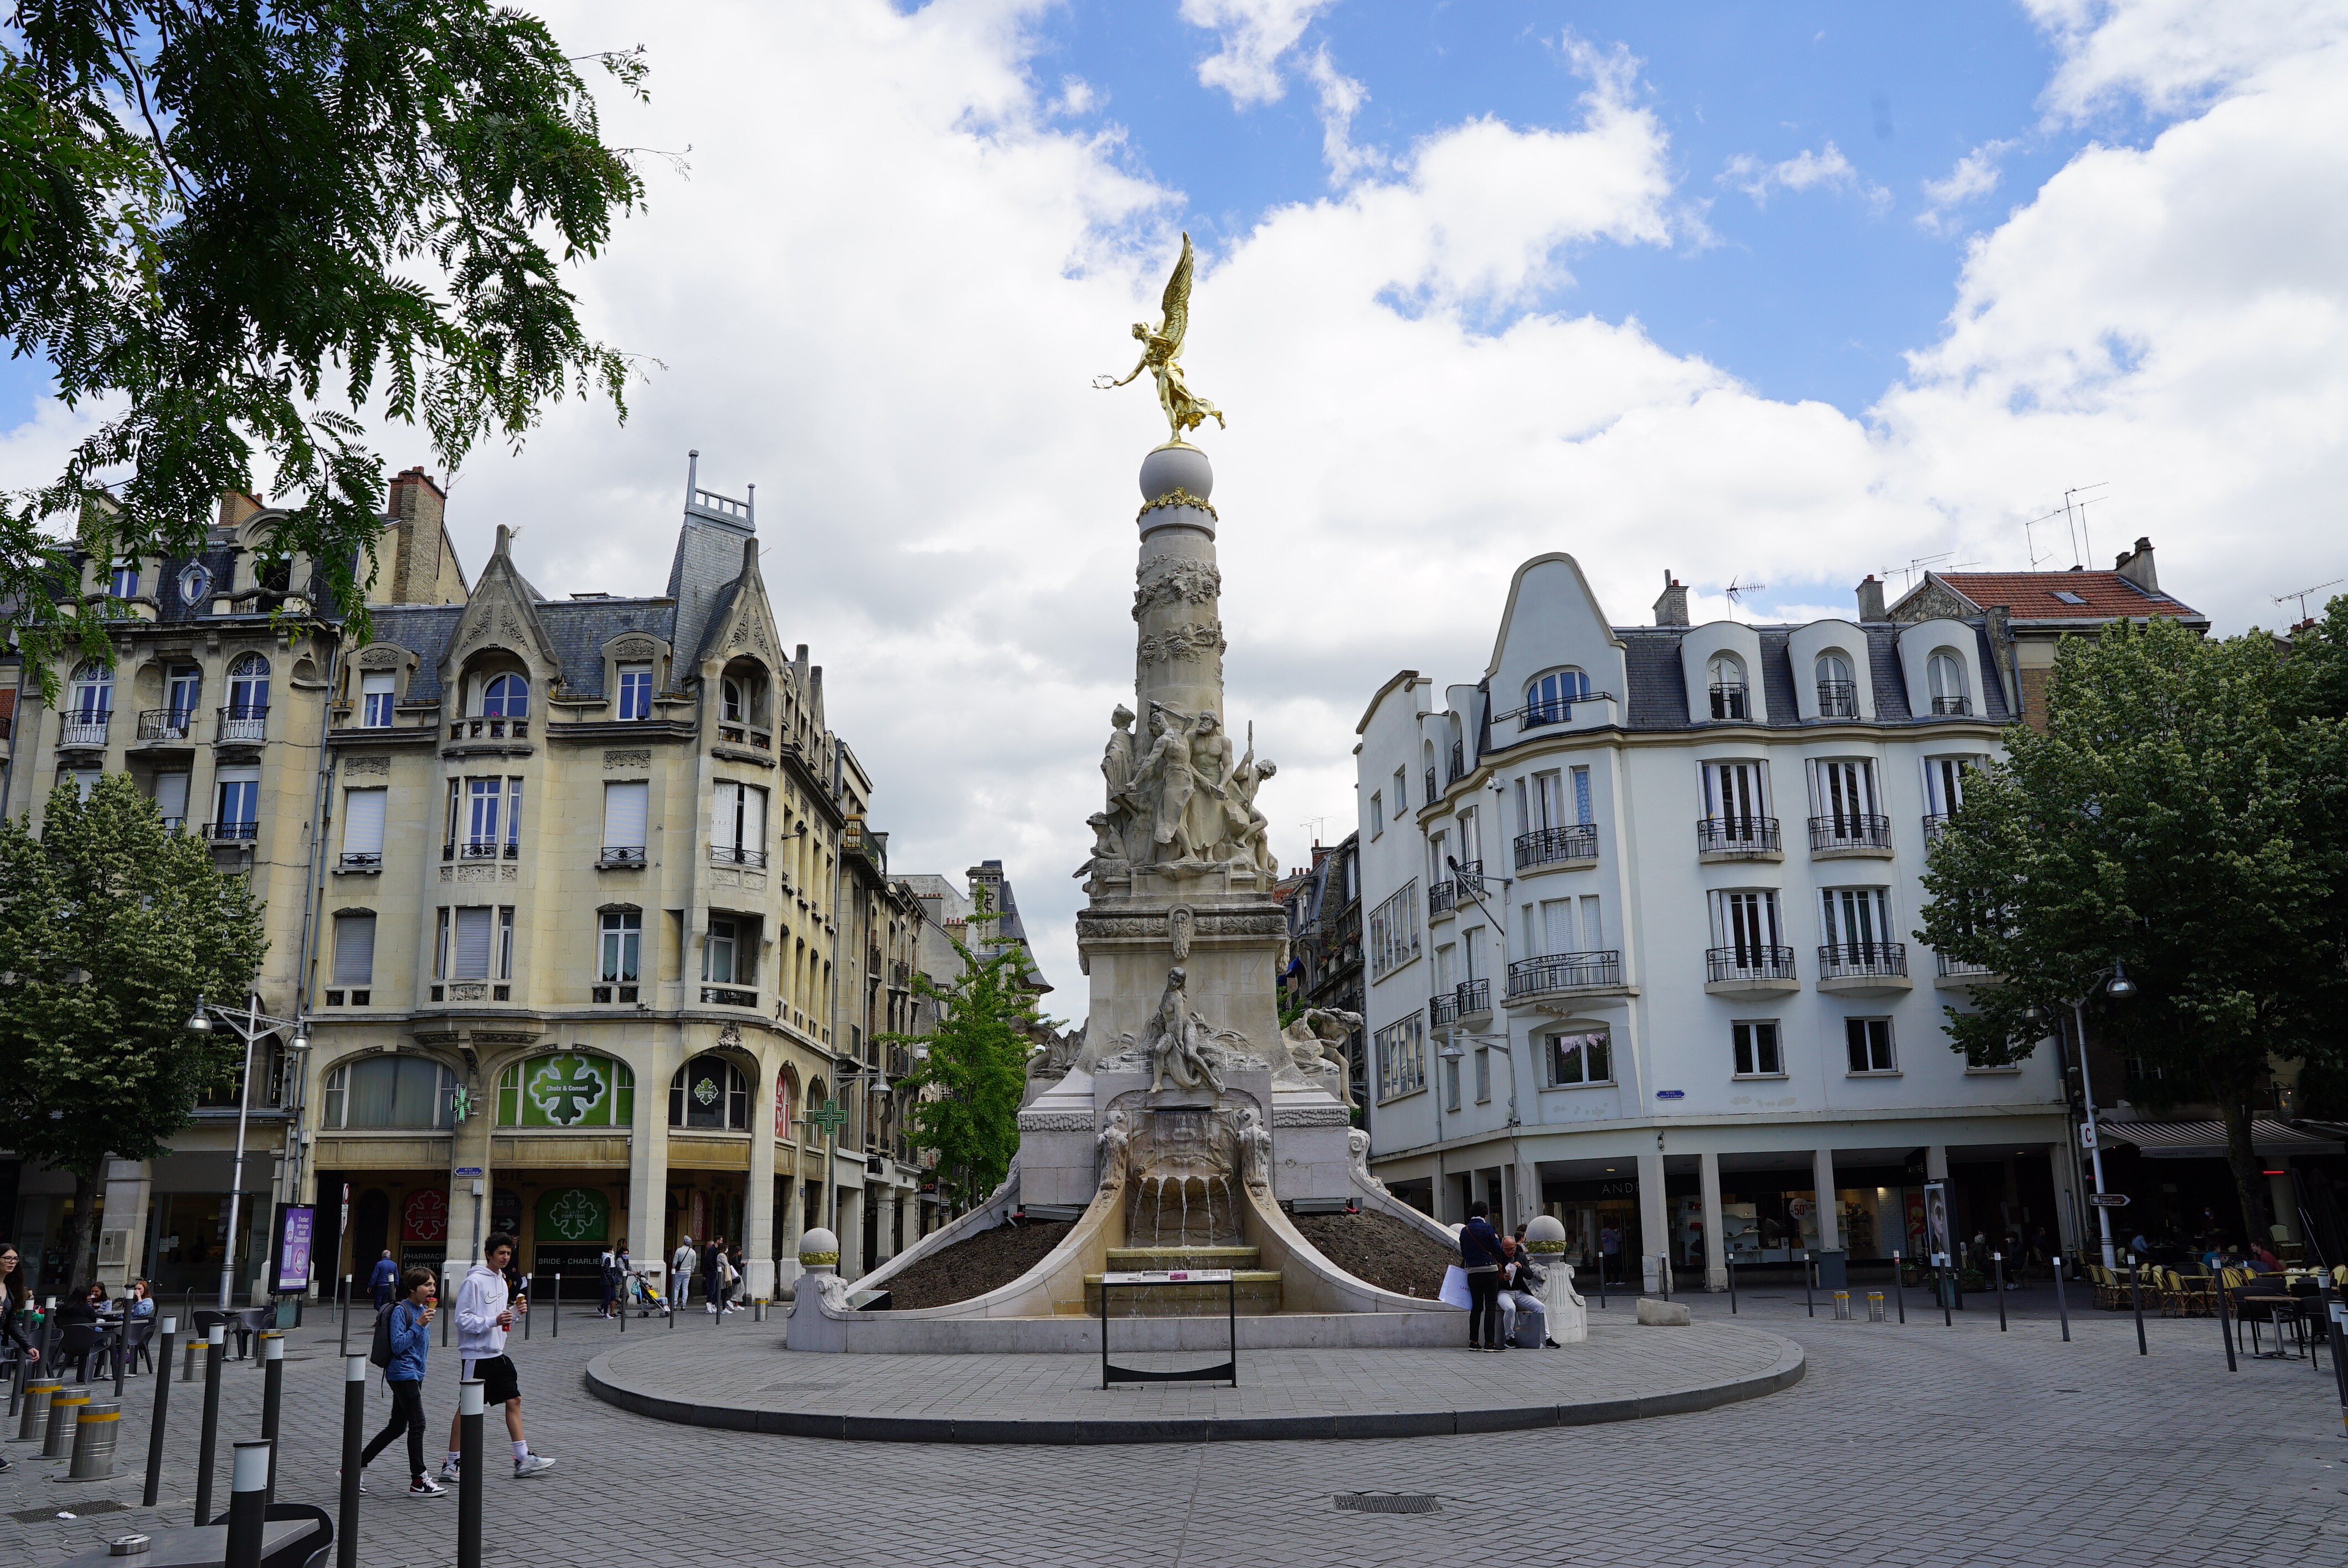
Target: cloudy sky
1780 294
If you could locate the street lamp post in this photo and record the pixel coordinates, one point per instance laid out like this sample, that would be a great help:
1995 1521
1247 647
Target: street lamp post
248 1026
2119 988
855 1073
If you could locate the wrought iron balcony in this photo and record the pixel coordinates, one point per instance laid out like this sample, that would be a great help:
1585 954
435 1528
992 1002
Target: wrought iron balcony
1557 846
1936 823
735 854
485 849
1729 701
733 733
1458 761
1737 835
728 995
231 832
1960 969
1838 700
1431 791
1442 898
1863 960
494 729
1746 962
1850 830
622 854
84 730
1443 1007
1558 711
361 860
166 723
1565 972
1951 706
1472 997
243 723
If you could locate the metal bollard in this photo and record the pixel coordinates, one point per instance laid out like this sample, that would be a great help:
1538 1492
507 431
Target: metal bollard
529 1288
121 1356
346 1527
208 1436
1842 1306
1940 1287
272 1393
557 1333
470 1403
1809 1301
248 1504
2136 1295
32 1423
1729 1256
1997 1263
188 1371
343 1318
155 1417
2225 1330
64 1408
2062 1307
1875 1306
449 1296
94 1438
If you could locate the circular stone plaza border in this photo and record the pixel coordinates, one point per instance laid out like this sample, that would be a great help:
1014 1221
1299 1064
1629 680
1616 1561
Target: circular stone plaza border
742 1379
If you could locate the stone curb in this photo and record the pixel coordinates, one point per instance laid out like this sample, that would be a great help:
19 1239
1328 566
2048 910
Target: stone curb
1791 1365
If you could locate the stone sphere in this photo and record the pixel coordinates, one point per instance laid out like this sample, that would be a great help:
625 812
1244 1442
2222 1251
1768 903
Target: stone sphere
818 1242
1545 1233
1173 467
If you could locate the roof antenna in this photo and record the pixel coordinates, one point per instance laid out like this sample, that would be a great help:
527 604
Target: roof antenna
1737 591
2304 594
2082 548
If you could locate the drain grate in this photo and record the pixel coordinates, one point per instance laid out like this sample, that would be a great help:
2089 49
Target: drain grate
1387 1502
80 1510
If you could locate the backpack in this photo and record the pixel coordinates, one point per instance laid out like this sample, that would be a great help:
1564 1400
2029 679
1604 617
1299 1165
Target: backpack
380 1352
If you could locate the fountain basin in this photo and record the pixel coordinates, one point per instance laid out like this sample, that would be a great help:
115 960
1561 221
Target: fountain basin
1257 1293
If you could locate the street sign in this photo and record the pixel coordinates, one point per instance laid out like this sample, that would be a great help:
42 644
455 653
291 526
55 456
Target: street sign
1671 1095
2107 1200
468 1170
2087 1134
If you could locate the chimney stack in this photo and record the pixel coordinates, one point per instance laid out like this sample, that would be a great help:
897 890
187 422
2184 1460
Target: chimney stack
2136 567
1671 605
419 510
235 507
1870 599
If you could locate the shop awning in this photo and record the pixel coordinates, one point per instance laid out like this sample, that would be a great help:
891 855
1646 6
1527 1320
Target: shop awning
2207 1139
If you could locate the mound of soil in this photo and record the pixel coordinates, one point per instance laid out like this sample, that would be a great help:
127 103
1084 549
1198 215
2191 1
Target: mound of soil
1380 1250
974 1266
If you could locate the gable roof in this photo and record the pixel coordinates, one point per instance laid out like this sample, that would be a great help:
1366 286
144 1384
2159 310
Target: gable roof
2032 595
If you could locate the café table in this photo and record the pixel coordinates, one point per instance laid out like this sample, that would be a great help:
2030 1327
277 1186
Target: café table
2279 1307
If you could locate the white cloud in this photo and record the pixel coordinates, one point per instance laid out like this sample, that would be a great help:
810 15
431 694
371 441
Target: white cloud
2173 55
1254 34
1806 170
1975 175
1340 98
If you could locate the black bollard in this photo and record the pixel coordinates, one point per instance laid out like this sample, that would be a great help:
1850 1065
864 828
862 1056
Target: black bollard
121 1355
1601 1289
1997 1263
163 1409
557 1333
272 1394
1900 1284
2135 1294
343 1318
1730 1255
1808 1300
529 1288
248 1504
450 1297
1940 1286
355 1372
2225 1328
2062 1307
16 1386
469 1407
208 1439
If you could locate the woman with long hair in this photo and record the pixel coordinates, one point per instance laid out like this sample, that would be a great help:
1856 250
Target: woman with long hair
12 1306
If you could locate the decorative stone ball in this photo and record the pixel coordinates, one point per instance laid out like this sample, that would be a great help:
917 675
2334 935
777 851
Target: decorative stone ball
1545 1234
1172 467
819 1248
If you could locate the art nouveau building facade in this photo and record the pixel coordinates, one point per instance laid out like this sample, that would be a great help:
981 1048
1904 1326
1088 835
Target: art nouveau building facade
1638 906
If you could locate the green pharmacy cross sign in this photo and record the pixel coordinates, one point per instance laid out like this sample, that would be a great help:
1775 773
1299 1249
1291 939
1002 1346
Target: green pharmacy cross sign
829 1117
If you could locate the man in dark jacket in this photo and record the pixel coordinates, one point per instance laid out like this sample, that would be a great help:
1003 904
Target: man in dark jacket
384 1280
1479 1259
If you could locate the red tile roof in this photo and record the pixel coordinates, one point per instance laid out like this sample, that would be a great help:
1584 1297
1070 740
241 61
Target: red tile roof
2031 594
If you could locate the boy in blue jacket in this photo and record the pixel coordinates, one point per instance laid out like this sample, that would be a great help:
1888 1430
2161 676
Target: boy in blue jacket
411 1341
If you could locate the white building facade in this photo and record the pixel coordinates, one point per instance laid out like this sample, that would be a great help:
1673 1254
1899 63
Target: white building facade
1637 915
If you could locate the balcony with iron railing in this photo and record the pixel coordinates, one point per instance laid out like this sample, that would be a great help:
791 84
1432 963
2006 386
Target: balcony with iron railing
84 730
167 725
737 854
728 995
480 849
1442 899
1459 761
1546 847
1584 708
1936 823
1432 791
620 858
1838 700
1591 971
360 861
1471 998
1952 707
1749 969
1730 700
732 732
1863 968
1845 834
231 832
242 724
488 729
1443 1007
1963 974
1738 838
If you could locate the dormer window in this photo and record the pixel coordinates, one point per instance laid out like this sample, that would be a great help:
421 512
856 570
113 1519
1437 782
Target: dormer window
195 583
505 697
736 696
635 691
1837 696
1729 689
1945 676
122 582
1549 699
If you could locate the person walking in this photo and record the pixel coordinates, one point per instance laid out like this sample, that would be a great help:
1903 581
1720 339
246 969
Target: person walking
713 1271
12 1299
1479 1260
681 1264
607 1273
483 1318
409 1330
383 1280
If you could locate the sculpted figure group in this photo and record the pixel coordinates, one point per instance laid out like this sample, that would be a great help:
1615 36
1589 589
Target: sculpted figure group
1182 801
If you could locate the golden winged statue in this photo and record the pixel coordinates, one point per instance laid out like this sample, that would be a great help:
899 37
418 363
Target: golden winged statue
1185 410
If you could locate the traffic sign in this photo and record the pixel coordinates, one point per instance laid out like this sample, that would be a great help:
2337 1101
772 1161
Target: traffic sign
2107 1200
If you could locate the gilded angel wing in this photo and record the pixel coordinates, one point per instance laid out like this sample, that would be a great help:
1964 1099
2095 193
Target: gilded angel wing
1177 303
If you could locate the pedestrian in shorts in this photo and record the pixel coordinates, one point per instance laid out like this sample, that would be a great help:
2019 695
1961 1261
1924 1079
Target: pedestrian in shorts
483 1318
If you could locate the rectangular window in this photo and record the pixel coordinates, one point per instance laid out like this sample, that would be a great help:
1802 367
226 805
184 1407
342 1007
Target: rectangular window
1756 1050
375 701
472 942
625 808
622 938
362 826
1870 1042
505 944
635 691
1581 1058
1581 797
1944 783
1471 841
122 582
1556 927
455 818
1401 791
1377 814
485 801
737 823
354 949
1483 1074
171 800
1734 794
1593 925
1842 793
1394 932
240 799
1856 920
717 953
1402 1057
1746 925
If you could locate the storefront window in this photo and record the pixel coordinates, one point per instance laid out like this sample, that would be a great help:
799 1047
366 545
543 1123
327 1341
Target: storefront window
709 1091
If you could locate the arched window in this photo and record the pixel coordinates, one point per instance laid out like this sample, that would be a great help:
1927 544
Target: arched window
1728 692
388 1091
248 687
1838 698
1548 699
505 697
709 1091
93 695
1944 675
815 1096
577 1089
737 695
787 1099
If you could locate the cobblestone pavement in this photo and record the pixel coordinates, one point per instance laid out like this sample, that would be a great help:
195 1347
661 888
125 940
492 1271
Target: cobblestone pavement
1902 1445
1621 1361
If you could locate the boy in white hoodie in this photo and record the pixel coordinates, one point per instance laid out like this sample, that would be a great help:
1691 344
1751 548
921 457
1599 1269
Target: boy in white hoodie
482 1319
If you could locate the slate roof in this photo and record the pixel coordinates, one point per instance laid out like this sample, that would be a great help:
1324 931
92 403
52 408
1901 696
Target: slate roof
708 561
2031 594
580 627
424 629
1657 697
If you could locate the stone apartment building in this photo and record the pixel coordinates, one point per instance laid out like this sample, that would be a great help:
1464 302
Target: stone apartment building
580 896
1323 902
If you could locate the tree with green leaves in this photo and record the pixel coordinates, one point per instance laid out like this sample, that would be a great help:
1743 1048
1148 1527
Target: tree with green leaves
2181 816
962 1101
110 928
237 231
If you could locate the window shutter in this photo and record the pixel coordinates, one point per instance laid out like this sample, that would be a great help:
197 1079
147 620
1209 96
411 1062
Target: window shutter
472 944
171 794
363 821
754 817
624 806
722 799
354 949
